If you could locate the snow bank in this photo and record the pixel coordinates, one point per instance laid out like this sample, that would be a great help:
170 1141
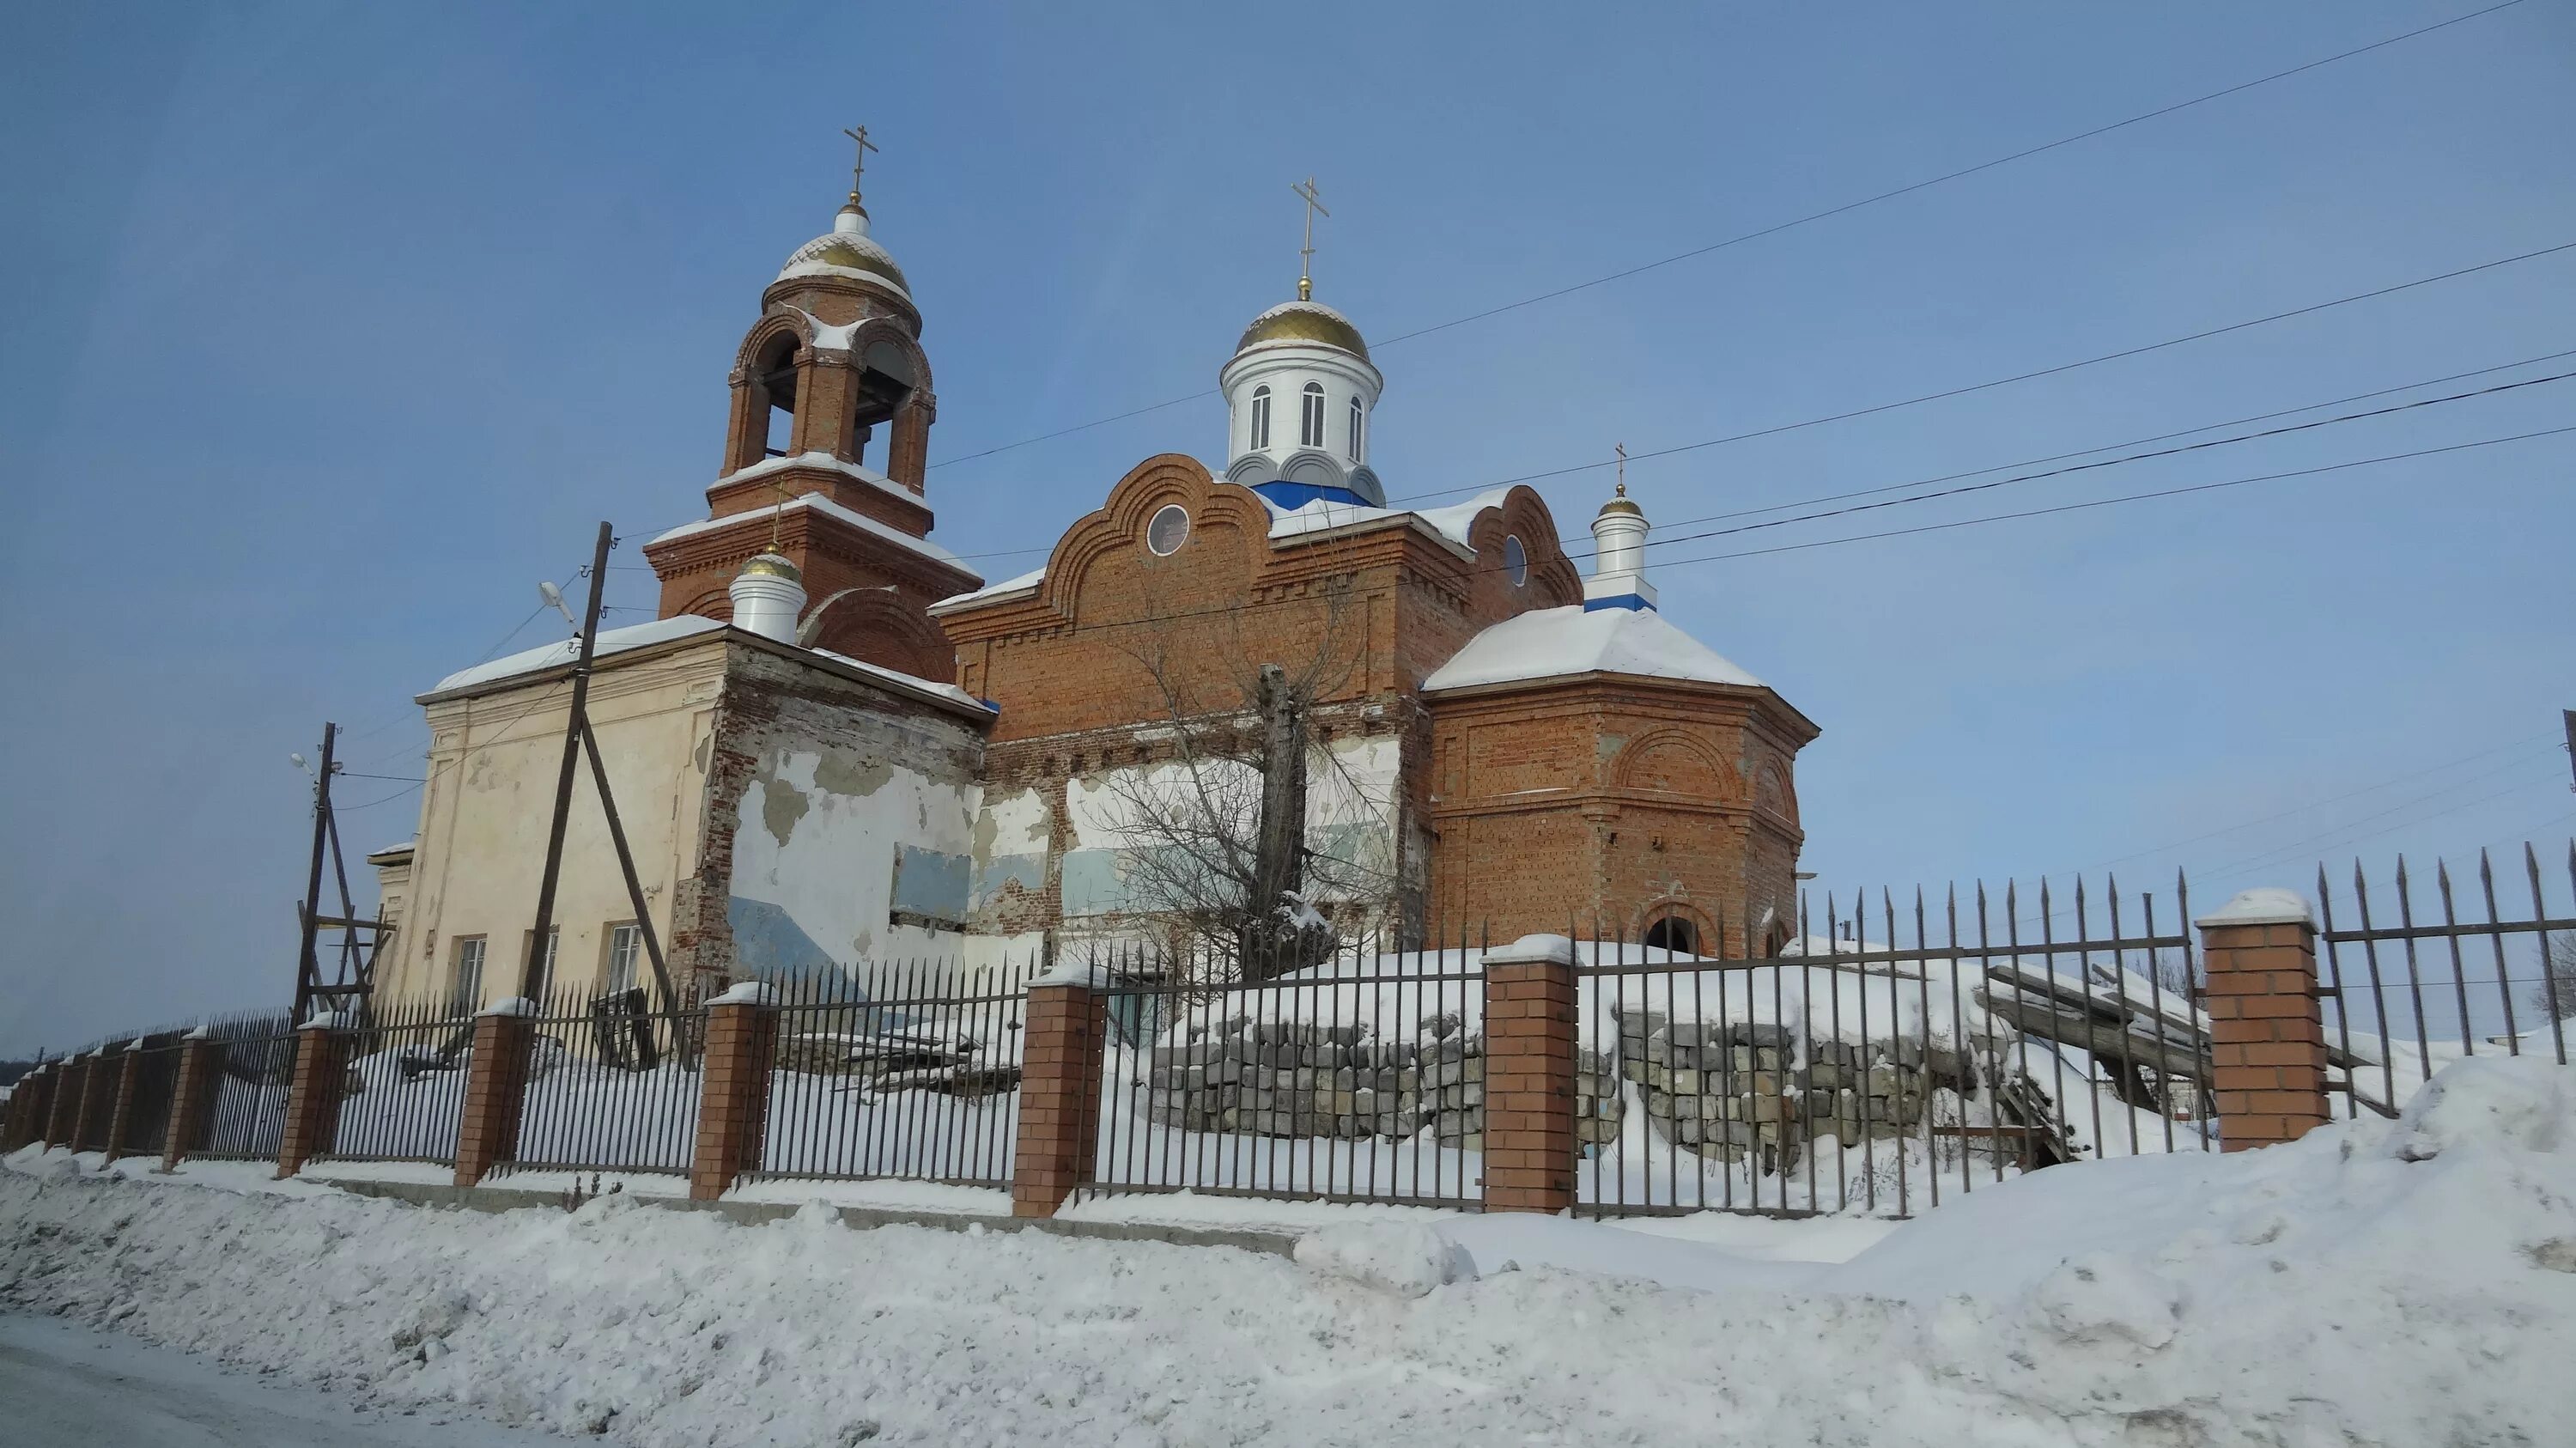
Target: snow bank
2408 1282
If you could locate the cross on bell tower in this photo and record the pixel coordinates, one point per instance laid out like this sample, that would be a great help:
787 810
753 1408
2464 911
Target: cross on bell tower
1306 253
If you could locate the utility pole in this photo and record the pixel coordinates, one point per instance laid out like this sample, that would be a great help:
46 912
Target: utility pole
308 969
532 974
578 740
1279 847
2568 716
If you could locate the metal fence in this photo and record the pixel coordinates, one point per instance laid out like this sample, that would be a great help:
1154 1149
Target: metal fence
1360 1078
612 1085
249 1113
1889 1055
156 1082
2406 997
907 1070
404 1085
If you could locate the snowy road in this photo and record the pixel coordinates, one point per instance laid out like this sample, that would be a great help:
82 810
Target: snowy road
66 1386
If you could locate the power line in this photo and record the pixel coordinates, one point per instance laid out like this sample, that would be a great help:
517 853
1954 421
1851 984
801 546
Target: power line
2124 498
1247 607
2104 463
1778 227
1974 387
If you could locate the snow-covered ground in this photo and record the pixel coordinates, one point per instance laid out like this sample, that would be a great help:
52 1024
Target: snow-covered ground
2407 1282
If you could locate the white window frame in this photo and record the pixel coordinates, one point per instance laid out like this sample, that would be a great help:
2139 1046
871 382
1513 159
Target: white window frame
465 973
1260 417
1310 415
1359 418
625 948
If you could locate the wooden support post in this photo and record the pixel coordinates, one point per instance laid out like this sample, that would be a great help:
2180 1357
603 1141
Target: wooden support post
496 1088
733 1088
1060 1071
1529 1076
313 1095
192 1097
2268 1058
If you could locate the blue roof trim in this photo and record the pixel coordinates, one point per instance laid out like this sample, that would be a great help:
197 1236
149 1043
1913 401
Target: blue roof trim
1293 496
1626 600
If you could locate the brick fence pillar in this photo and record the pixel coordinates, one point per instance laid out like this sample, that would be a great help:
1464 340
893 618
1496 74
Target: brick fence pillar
1059 1126
62 1117
1529 1075
30 1108
496 1088
192 1096
98 1096
313 1095
129 1085
733 1088
2266 1026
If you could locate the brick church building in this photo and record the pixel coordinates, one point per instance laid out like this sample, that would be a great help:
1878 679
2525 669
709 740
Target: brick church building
863 748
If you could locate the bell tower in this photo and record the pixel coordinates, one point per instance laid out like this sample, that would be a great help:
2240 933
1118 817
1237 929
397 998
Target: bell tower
827 442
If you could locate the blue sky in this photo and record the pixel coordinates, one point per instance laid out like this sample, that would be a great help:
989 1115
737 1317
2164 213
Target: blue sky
329 331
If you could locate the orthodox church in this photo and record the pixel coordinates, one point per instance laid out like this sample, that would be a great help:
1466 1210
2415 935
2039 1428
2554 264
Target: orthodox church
838 743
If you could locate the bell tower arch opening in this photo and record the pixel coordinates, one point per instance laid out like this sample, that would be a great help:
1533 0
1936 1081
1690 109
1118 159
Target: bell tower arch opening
775 386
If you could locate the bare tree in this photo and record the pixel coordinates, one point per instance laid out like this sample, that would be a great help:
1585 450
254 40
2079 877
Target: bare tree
2178 975
1219 822
2554 994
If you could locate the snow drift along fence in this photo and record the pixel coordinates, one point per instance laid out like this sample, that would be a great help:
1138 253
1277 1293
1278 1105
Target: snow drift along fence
1889 1055
901 1070
1356 1080
612 1085
2406 996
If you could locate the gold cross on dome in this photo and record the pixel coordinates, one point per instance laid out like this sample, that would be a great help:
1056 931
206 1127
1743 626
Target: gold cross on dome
860 163
1622 450
1314 203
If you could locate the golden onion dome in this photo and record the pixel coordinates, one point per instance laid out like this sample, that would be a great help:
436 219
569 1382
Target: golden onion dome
1308 322
771 565
847 247
1619 506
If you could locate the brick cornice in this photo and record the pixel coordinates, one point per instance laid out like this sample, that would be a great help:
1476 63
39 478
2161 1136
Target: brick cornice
733 543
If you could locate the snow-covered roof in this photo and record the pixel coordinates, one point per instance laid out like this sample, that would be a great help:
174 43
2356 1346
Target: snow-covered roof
949 692
823 460
1030 579
1550 643
820 504
1451 522
642 635
557 655
1321 515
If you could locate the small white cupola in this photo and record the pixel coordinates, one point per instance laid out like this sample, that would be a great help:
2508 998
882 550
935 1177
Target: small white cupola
767 596
1618 557
1299 392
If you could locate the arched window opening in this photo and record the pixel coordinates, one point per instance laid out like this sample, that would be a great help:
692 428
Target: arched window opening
1358 421
885 382
1260 418
1310 421
777 375
1674 933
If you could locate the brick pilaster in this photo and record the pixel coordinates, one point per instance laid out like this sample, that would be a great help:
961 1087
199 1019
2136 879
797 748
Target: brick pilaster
31 1107
192 1098
313 1096
1529 1076
62 1119
1059 1125
98 1097
2266 1025
496 1089
129 1085
733 1088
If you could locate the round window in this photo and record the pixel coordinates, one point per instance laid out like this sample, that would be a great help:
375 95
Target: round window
1170 528
1515 560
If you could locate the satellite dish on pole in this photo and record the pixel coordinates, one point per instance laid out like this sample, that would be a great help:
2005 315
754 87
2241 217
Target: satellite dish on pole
555 600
